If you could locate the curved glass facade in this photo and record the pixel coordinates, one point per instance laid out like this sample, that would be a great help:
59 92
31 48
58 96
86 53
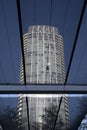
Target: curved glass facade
44 64
44 55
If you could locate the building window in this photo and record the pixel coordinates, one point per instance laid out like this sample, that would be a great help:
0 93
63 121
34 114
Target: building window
46 29
54 100
40 37
28 63
45 38
30 36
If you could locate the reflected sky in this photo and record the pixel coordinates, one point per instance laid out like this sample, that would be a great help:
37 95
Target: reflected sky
78 73
74 101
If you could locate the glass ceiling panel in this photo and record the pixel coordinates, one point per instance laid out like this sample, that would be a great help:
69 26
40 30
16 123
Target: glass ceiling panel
61 14
42 111
10 46
58 13
78 72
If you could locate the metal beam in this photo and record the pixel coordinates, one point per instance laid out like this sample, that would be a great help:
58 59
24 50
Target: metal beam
72 54
23 55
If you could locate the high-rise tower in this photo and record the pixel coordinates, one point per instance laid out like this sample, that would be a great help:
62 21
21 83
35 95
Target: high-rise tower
44 64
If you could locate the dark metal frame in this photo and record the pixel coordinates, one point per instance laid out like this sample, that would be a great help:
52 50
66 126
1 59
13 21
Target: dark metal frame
64 88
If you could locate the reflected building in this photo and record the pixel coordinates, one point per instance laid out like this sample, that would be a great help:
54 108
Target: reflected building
83 125
44 64
1 127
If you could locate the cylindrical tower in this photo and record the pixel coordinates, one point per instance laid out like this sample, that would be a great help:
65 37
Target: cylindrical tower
44 64
44 55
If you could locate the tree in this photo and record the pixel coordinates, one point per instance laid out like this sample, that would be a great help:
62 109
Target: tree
8 119
48 119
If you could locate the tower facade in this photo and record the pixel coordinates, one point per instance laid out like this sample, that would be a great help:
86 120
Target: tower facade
44 64
83 125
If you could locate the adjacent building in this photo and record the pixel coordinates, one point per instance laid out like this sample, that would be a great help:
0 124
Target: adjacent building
83 125
44 63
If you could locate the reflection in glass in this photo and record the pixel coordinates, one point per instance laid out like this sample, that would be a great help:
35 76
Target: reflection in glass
78 72
43 111
49 69
10 107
